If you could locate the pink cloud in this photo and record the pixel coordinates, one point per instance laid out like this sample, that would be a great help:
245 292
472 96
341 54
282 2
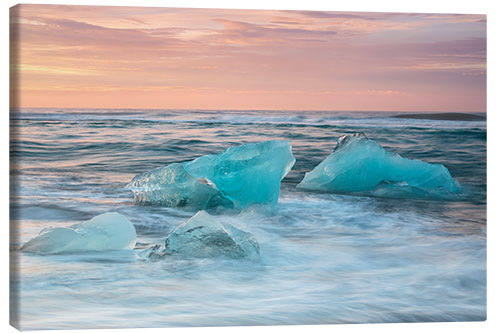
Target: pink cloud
266 59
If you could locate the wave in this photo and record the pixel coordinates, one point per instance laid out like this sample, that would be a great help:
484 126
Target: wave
126 118
457 116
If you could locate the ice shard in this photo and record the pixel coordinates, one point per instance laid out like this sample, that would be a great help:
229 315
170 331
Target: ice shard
361 165
238 177
109 231
203 236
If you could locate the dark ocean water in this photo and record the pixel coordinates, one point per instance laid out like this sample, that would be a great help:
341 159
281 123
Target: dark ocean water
325 258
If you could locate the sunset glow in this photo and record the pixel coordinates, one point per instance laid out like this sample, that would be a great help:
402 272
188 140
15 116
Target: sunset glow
140 57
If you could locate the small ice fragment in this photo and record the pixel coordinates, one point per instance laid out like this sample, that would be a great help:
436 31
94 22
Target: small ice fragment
202 236
109 231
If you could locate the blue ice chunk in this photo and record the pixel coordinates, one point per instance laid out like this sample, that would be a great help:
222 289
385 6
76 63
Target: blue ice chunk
203 236
109 231
238 177
359 164
247 174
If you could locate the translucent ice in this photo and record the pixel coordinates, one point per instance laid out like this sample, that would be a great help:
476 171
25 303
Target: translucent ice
359 164
202 236
109 231
173 186
238 177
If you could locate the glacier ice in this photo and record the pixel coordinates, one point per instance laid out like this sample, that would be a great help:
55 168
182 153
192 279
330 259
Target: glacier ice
173 186
203 236
109 231
359 164
238 177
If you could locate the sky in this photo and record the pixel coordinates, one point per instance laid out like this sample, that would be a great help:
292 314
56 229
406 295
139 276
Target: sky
172 58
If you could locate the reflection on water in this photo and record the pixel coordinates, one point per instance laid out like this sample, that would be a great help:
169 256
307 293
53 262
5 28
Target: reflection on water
325 258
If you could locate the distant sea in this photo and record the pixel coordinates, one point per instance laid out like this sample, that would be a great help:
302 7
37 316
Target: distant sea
325 258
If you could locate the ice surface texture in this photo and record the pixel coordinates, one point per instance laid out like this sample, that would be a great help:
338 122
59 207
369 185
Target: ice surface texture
109 231
359 164
173 186
238 177
202 236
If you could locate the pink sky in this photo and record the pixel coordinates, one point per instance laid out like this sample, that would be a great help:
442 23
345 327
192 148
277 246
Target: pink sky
140 57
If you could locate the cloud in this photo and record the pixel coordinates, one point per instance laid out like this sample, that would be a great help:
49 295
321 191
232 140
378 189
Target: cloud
326 59
330 15
246 33
52 70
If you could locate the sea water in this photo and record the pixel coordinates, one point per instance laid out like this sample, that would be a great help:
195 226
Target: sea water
325 258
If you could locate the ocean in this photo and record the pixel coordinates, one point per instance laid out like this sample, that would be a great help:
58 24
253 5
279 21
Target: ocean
326 258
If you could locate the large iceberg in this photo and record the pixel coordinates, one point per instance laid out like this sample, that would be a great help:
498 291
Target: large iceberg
109 231
202 236
238 177
361 165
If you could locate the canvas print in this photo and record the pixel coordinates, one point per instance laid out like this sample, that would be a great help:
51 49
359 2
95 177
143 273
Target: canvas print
220 167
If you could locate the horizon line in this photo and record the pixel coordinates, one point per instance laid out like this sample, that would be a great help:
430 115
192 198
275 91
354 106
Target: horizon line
241 110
